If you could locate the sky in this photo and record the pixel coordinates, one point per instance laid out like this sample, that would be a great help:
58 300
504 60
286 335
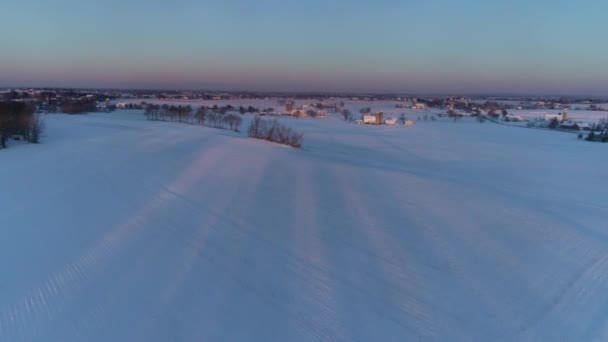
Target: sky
403 46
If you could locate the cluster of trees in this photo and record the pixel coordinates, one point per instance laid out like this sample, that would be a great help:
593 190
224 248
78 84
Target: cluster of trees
599 131
168 113
251 109
78 106
598 136
346 114
597 108
427 117
207 116
272 130
553 124
19 119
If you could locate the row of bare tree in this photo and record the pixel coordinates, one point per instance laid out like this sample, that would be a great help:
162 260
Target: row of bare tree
207 116
272 130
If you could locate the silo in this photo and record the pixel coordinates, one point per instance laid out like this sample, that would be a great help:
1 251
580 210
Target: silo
380 118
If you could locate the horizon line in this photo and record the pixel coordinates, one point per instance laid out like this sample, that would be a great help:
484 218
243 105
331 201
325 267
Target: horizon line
310 92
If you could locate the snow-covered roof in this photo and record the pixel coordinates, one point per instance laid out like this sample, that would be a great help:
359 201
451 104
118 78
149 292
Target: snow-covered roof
573 123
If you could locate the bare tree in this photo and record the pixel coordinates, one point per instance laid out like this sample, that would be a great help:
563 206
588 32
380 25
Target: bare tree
37 127
255 127
346 114
201 114
402 118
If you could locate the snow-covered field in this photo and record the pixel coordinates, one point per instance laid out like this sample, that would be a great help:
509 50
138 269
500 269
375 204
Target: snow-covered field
388 107
588 116
120 229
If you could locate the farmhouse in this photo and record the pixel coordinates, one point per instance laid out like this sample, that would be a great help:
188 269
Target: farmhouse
514 118
369 119
419 106
390 121
377 119
300 113
575 126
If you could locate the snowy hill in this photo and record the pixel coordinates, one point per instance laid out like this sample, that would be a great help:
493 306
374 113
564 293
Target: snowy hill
120 229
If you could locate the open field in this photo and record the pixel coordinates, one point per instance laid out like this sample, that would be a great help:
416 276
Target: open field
121 229
388 107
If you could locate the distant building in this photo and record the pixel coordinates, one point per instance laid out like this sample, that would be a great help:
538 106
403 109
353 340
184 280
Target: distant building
330 106
300 113
379 118
516 118
369 119
575 126
419 106
563 116
289 106
390 121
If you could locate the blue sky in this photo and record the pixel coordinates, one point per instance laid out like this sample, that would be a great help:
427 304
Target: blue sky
467 46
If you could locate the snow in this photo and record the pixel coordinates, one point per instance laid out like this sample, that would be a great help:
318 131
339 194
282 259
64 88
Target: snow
587 116
121 229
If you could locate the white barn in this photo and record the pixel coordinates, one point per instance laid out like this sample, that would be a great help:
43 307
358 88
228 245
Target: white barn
369 119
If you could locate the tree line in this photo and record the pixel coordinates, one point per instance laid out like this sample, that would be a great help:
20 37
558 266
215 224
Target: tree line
272 130
78 106
215 116
19 119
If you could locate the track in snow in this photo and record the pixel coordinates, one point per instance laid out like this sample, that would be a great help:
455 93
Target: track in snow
156 231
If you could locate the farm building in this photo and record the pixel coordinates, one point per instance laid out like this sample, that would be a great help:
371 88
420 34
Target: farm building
289 106
300 113
575 126
515 118
369 119
419 106
563 116
377 119
390 121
